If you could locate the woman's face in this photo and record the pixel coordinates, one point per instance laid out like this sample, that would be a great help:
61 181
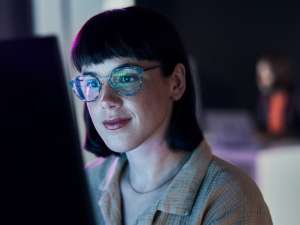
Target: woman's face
126 122
265 76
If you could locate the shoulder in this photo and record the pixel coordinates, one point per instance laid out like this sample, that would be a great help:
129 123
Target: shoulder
222 174
232 195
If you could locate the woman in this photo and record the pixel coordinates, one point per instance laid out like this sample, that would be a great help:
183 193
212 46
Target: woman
277 112
136 83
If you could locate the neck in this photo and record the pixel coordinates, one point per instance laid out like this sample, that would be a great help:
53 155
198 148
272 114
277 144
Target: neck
153 166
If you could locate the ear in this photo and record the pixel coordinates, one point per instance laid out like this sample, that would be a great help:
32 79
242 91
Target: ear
177 82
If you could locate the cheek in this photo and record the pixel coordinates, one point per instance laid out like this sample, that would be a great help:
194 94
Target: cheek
95 115
153 106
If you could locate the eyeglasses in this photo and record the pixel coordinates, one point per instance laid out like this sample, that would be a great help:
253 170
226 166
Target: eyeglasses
125 80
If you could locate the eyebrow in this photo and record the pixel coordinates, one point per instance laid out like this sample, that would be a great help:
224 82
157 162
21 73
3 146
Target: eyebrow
87 73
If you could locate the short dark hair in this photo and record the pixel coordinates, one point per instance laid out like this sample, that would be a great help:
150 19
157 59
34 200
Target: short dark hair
142 34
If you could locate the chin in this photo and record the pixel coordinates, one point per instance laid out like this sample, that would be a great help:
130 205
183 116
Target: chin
120 146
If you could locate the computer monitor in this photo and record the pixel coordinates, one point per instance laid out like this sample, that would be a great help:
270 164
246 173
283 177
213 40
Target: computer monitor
43 180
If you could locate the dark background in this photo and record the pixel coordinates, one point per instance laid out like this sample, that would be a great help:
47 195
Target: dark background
15 19
223 37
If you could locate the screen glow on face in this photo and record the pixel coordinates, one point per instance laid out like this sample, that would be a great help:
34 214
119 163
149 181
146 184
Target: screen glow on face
126 80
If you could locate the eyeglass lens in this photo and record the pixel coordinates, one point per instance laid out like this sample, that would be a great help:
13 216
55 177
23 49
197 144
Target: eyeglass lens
125 81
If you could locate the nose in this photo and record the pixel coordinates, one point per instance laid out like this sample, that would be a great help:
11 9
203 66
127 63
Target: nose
109 99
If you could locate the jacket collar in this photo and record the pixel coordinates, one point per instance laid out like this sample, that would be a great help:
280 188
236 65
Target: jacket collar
178 198
110 200
180 195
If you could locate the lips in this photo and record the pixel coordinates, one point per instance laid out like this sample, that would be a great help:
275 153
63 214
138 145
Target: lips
116 124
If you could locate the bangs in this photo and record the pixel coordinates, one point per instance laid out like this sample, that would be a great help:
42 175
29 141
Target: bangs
122 36
93 53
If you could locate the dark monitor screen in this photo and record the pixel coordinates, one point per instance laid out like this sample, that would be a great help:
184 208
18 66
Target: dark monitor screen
43 180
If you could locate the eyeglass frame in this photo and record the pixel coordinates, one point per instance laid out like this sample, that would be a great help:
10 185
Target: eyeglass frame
108 77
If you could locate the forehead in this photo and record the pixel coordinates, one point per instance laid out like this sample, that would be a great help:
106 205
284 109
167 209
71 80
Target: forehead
109 64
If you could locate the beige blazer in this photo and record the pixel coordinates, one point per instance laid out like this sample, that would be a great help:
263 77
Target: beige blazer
207 190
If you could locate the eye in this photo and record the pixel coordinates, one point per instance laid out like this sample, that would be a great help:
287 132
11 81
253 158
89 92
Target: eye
128 78
93 83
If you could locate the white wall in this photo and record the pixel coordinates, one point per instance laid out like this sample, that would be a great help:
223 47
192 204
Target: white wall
278 175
